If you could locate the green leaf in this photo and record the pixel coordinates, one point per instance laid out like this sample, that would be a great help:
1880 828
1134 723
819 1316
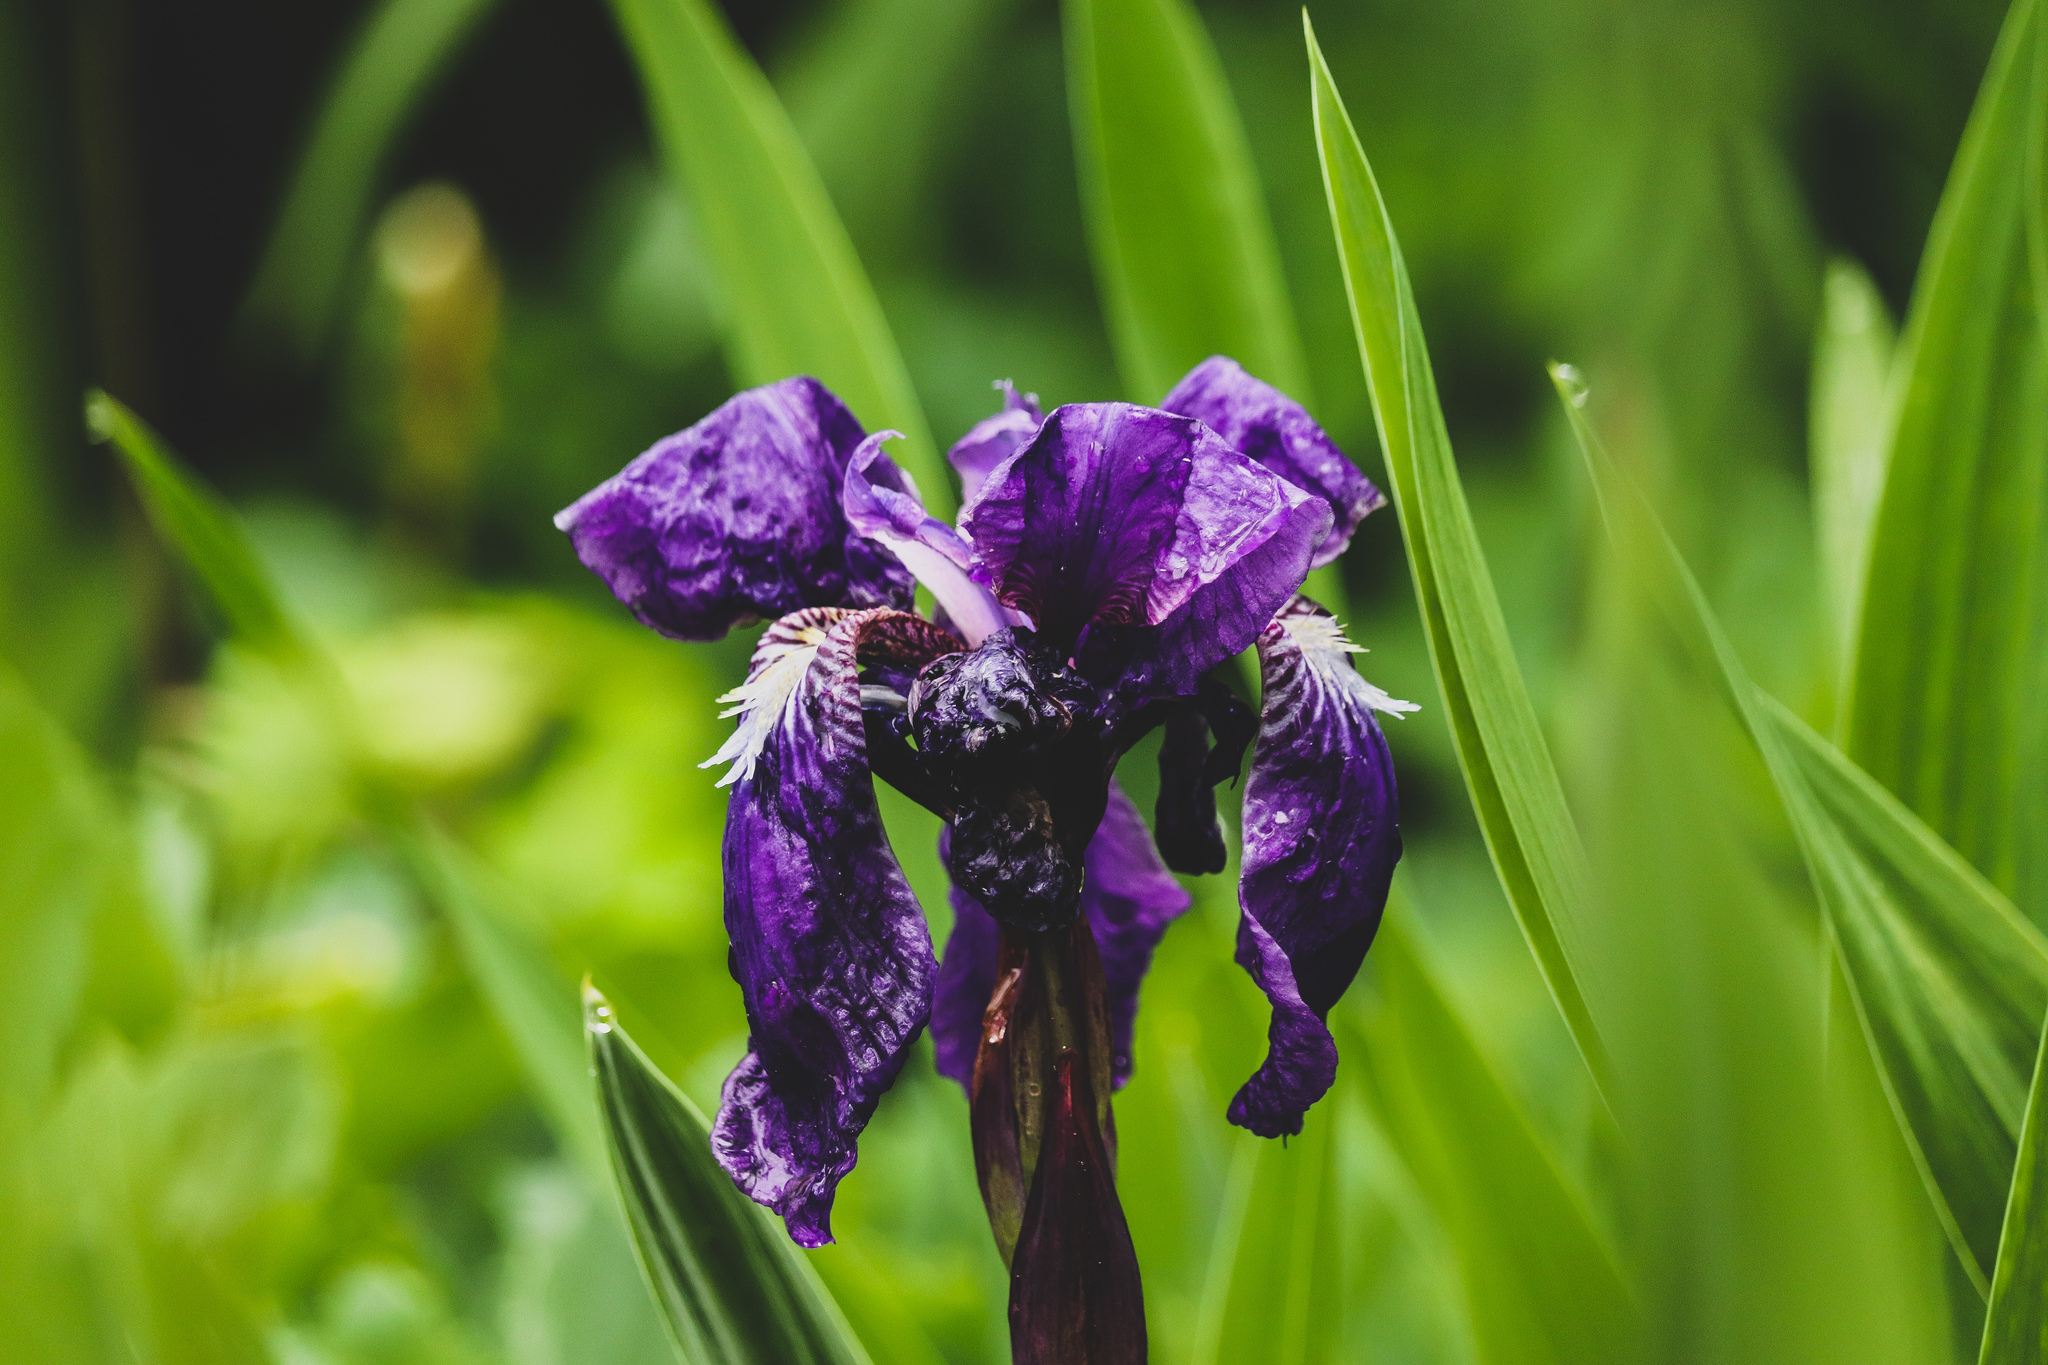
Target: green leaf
533 1002
390 67
1852 355
2016 1327
730 1284
1944 702
1507 765
1183 248
795 298
1949 980
1540 1281
202 530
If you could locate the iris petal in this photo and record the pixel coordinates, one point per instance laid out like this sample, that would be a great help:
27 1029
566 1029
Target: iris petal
737 517
994 439
1268 426
1129 898
1320 844
882 503
1116 516
829 946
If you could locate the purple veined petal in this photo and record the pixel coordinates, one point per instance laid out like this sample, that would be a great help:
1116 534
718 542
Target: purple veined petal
736 518
1129 898
829 946
994 439
882 503
1320 844
1267 425
1115 515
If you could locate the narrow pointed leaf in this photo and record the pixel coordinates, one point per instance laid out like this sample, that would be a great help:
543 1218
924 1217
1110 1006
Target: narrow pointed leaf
1944 704
1183 247
1507 765
1949 981
731 1287
795 298
1852 356
1541 1283
201 529
391 66
2016 1325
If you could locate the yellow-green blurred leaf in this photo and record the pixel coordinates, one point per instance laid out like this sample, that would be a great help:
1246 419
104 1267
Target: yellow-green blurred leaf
795 298
1183 248
2016 1327
1847 446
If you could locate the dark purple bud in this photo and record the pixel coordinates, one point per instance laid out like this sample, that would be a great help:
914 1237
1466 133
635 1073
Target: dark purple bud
1075 1294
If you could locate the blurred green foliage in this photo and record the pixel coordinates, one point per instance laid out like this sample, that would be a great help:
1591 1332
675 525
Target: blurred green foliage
291 933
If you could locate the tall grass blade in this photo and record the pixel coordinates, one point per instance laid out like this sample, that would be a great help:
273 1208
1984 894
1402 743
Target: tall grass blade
1949 981
2016 1327
1847 445
391 65
1183 248
1952 651
1540 1281
795 298
203 531
533 1002
732 1288
1507 765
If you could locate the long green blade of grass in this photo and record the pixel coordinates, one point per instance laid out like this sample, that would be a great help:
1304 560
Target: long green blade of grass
2016 1326
1541 1283
1183 248
402 47
732 1288
796 300
1949 980
1507 765
1944 703
202 530
1852 356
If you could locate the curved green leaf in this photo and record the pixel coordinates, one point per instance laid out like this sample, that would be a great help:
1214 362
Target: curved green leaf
732 1288
390 67
1944 703
203 530
795 298
1949 980
1507 765
1183 247
2016 1326
1541 1282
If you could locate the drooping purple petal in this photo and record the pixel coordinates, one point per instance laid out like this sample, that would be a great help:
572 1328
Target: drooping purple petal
1320 844
1129 898
1116 516
737 517
828 945
994 439
882 503
1267 425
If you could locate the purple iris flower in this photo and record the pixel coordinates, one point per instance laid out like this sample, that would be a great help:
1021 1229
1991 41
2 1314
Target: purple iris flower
1109 557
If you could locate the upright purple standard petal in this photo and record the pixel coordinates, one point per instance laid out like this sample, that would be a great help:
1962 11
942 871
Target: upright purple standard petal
828 944
1264 423
1129 898
882 503
1116 516
1320 844
737 517
994 439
